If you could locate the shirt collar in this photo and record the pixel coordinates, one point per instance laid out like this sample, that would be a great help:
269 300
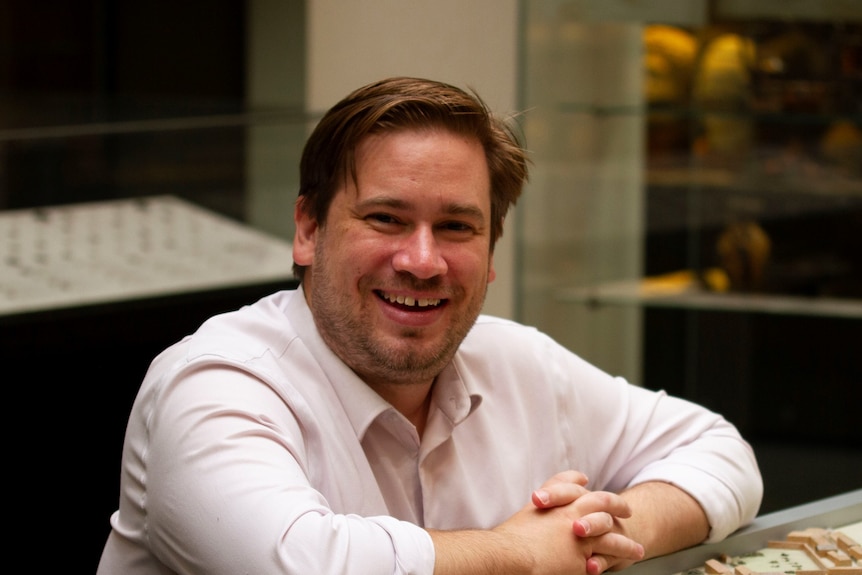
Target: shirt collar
451 393
361 404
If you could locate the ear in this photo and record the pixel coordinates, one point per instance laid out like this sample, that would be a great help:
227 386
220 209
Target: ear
492 273
305 237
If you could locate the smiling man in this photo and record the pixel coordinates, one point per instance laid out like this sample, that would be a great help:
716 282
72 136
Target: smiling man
372 421
399 273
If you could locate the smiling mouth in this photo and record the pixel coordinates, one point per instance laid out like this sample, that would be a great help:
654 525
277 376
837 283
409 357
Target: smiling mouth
410 302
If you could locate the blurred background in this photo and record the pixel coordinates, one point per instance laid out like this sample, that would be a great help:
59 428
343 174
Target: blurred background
692 221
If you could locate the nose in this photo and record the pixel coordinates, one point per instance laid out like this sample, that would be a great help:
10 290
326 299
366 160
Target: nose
419 254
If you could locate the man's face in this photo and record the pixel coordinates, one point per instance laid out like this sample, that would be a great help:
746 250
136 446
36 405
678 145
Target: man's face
399 272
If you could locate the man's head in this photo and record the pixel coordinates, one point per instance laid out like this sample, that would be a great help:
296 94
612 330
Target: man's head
404 188
398 103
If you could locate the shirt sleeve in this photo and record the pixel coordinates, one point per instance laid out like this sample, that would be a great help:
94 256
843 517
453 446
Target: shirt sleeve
634 435
709 459
225 489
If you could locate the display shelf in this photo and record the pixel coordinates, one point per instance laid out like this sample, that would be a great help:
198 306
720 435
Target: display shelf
131 249
683 292
830 512
802 179
90 293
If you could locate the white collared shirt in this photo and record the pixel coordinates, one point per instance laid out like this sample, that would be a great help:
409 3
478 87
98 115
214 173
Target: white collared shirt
251 448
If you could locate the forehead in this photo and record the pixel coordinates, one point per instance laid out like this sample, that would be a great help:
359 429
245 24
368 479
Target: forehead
417 155
433 169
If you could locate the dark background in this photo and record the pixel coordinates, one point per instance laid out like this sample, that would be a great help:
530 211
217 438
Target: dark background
72 374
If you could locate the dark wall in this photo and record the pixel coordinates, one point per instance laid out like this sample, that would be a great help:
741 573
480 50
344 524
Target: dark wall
173 50
80 80
71 376
89 67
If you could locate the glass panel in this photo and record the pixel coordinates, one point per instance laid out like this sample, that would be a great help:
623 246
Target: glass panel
693 218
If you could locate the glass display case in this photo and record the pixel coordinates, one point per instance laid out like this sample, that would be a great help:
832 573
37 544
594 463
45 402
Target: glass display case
141 192
694 212
762 545
118 238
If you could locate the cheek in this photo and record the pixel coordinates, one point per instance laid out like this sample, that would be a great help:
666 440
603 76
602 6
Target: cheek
471 265
356 255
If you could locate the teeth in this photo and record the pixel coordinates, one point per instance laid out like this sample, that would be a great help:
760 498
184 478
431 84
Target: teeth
410 301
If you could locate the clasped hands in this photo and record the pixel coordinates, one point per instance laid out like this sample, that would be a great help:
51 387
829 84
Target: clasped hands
571 529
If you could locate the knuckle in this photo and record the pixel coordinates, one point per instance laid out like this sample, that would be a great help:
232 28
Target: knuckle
603 499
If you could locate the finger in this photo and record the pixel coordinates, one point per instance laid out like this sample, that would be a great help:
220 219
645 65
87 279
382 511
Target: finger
612 548
593 524
569 476
596 565
603 502
561 489
557 494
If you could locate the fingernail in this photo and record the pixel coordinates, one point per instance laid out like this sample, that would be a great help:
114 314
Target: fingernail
543 496
585 525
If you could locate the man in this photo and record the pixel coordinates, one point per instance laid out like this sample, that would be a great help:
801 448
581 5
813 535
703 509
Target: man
372 421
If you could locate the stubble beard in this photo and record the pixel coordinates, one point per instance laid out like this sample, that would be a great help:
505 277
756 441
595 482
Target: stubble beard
350 333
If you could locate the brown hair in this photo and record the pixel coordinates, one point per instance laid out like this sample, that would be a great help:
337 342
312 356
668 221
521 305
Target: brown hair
398 103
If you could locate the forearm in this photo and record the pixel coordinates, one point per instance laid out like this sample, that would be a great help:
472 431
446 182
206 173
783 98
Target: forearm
478 552
702 453
664 518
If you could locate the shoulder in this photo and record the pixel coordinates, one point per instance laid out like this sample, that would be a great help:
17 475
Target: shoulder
251 331
507 346
491 334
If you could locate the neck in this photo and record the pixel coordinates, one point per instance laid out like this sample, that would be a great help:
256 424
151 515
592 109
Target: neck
413 401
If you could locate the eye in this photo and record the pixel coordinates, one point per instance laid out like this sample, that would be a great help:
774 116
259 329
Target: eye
382 218
456 226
